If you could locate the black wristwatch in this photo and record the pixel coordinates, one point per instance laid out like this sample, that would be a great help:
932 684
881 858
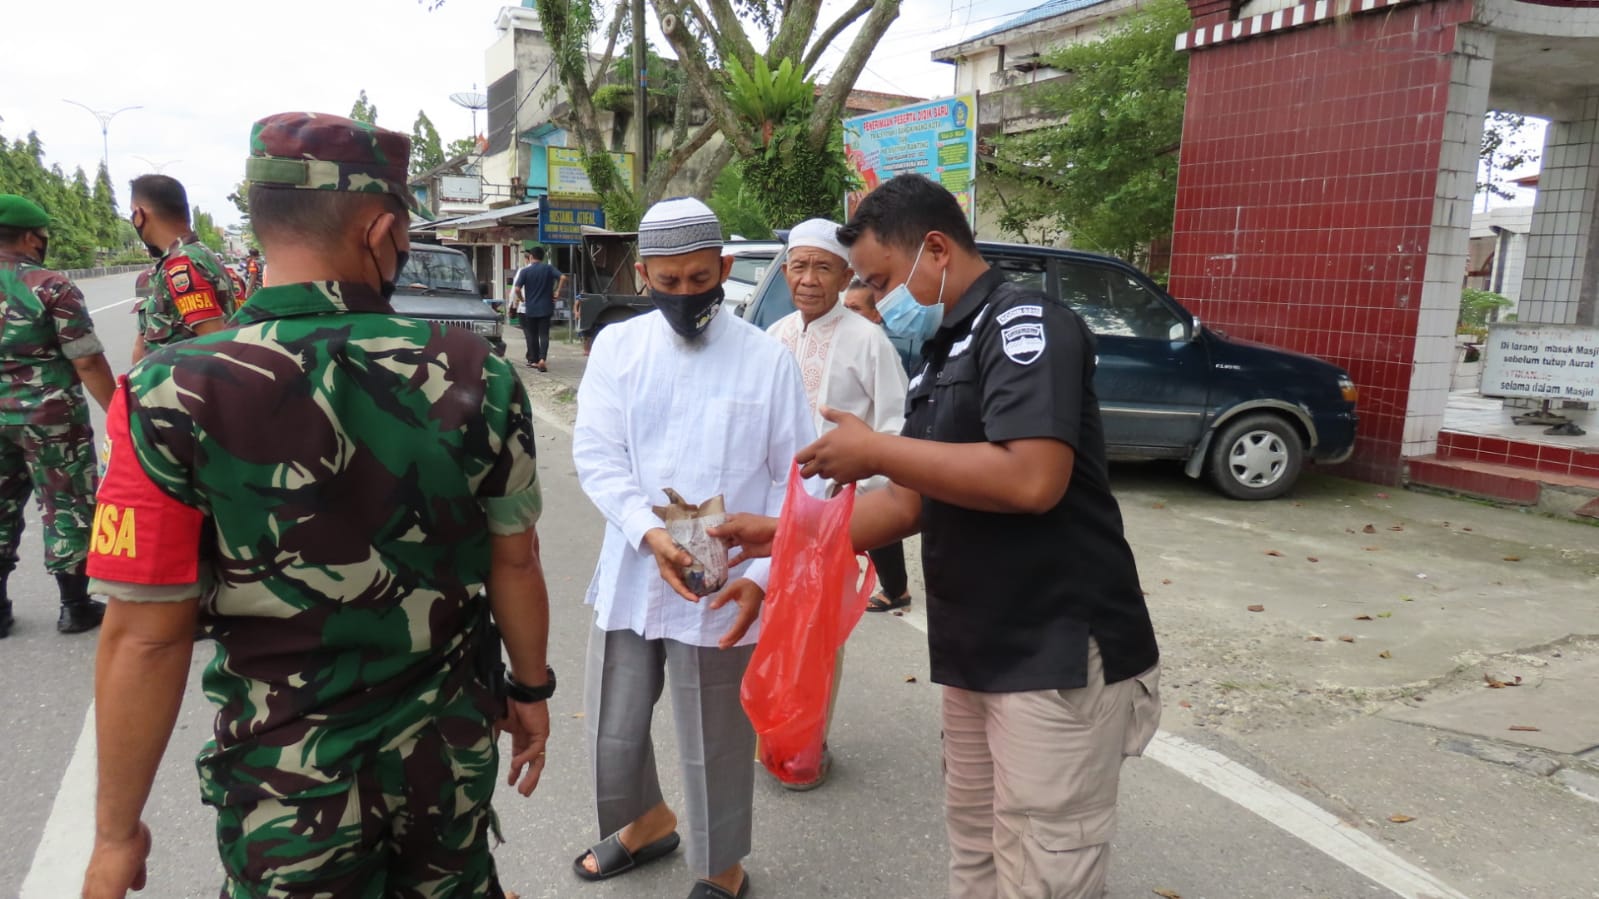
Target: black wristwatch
520 692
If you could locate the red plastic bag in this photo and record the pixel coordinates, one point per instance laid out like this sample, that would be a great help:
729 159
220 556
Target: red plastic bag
812 604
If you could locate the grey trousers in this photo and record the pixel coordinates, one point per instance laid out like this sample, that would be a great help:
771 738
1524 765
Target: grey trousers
623 678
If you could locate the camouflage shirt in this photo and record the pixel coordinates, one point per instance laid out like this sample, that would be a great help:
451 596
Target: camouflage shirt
191 286
46 327
350 465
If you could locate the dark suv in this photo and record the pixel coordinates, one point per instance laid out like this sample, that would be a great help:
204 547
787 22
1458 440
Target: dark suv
1168 387
437 285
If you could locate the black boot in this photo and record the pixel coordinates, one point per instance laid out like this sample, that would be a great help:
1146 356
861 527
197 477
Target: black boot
6 619
79 613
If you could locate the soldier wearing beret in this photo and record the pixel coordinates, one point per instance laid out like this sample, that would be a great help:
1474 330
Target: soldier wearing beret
192 292
328 489
48 355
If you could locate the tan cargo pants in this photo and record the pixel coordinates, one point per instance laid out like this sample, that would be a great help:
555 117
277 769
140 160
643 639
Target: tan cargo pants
1030 783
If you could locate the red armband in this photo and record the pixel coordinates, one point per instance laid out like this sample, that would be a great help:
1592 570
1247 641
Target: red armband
194 297
140 535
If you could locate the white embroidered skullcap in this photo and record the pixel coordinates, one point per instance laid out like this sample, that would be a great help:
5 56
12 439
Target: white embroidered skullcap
677 226
819 233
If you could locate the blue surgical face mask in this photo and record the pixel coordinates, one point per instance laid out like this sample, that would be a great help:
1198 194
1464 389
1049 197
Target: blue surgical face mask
905 317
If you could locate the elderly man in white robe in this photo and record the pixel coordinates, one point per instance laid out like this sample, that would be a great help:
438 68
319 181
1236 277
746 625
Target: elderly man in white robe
846 362
706 404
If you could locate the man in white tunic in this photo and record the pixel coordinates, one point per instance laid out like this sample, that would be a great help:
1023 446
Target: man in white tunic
846 362
708 405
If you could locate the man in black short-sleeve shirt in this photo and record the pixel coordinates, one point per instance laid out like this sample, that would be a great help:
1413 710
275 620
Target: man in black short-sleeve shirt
1036 624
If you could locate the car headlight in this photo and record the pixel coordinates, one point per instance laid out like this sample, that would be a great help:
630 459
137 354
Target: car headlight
486 327
1346 386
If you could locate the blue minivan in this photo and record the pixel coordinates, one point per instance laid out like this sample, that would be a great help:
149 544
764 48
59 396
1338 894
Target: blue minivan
1246 414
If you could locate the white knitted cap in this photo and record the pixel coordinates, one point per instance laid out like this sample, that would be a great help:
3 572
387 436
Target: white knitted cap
819 233
677 226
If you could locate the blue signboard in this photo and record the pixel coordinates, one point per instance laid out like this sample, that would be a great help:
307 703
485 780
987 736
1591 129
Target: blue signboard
562 221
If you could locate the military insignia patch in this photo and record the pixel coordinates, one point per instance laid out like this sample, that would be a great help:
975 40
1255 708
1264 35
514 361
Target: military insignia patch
1023 343
178 277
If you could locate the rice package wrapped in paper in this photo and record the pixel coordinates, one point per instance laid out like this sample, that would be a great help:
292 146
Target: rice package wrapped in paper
687 523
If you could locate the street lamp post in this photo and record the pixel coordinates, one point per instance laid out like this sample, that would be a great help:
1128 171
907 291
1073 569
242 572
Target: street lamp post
104 118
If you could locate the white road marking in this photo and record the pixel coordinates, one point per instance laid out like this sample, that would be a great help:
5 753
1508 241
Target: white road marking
113 305
1298 817
550 420
63 853
1293 814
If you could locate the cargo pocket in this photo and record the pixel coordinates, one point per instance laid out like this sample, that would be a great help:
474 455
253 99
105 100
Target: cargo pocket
1145 712
1056 864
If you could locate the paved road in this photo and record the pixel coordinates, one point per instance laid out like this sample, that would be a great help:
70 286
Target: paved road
874 830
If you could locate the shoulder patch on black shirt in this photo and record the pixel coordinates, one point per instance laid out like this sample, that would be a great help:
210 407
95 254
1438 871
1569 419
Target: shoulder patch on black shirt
1016 312
1023 343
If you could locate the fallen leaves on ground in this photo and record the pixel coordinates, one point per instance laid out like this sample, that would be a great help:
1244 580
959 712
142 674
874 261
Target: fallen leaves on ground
1382 496
1372 549
1524 728
1346 638
1362 617
1273 552
1257 608
1495 683
1158 506
1401 819
1169 894
1385 614
1385 654
1312 559
1185 704
910 678
1313 638
1165 580
1512 558
1369 529
1396 527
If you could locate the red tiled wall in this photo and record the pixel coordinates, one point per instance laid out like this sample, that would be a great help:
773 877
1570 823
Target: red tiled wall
1543 457
1305 197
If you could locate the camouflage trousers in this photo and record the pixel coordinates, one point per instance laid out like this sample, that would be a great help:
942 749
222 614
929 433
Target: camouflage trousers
414 823
57 463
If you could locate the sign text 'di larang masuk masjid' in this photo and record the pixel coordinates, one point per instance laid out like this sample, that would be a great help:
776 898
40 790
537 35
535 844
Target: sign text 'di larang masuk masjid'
937 139
1546 362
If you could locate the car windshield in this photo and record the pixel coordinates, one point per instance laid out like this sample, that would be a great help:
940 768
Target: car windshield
437 271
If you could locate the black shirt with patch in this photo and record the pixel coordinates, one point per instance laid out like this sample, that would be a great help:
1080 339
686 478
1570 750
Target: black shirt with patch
1013 598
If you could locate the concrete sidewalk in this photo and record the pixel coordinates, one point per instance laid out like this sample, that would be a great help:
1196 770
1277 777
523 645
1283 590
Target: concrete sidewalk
1346 640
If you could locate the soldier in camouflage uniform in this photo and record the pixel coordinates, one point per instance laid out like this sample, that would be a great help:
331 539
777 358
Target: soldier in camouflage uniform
327 488
48 354
192 293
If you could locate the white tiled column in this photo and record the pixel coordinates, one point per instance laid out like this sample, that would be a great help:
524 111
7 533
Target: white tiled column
1449 240
1562 269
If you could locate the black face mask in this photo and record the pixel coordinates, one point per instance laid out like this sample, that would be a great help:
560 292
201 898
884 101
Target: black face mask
688 314
387 286
154 251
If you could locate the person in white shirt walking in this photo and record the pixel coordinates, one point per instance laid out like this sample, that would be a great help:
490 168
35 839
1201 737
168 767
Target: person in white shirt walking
846 362
706 404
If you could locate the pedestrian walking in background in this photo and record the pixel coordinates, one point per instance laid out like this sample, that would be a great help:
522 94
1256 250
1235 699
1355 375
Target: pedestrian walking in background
536 286
48 355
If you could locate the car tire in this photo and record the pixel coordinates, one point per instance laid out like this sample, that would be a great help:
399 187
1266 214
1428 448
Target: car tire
1256 457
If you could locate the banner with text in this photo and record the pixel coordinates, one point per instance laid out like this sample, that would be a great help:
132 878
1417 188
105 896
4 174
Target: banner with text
1546 362
569 179
562 221
937 139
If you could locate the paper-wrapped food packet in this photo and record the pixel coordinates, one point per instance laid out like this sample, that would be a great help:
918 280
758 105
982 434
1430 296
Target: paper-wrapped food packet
687 523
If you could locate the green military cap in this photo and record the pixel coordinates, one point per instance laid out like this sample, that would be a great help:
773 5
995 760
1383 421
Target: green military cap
21 212
317 151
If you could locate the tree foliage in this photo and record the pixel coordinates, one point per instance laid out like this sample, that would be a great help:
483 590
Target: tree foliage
712 39
1501 152
86 226
737 208
1107 173
426 151
205 228
364 110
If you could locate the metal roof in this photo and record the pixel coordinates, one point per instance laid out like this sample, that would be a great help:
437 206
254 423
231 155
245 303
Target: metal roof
1037 14
495 216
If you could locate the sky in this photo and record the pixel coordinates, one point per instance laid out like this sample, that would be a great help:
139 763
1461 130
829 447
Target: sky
203 70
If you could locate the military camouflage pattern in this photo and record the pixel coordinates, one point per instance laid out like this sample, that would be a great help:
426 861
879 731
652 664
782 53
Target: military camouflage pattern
160 320
314 151
435 788
46 326
351 465
56 462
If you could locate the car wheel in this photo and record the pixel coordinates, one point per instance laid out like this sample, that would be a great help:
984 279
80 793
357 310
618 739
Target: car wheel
1256 457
